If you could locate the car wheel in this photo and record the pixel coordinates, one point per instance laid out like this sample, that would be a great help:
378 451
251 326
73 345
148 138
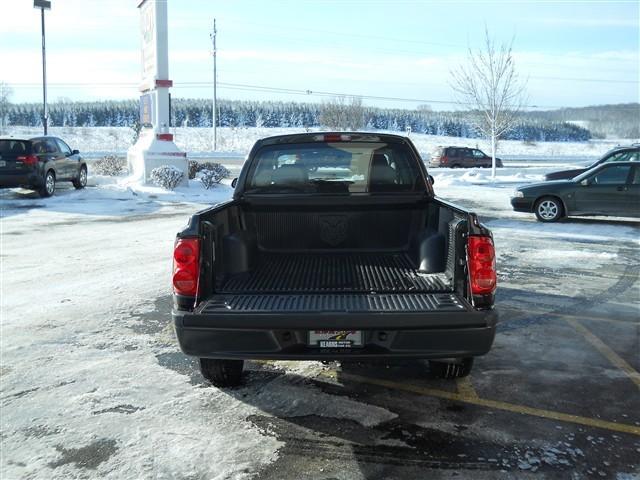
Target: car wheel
222 373
81 181
49 184
549 209
451 369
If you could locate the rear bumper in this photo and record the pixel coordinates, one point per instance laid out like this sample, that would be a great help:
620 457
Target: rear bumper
11 180
285 337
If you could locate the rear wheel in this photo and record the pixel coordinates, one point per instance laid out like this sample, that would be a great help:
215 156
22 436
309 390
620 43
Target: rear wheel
222 373
81 181
549 209
49 184
448 369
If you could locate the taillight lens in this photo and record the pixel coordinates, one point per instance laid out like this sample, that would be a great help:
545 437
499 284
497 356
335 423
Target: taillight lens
333 137
482 265
28 159
444 160
186 266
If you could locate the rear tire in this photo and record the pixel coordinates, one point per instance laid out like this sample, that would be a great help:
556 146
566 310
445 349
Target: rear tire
49 186
222 373
81 181
549 209
451 369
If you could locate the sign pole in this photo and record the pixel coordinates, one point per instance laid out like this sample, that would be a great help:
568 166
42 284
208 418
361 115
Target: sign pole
155 146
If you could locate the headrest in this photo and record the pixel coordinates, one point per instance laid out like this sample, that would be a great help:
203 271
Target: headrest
379 160
290 174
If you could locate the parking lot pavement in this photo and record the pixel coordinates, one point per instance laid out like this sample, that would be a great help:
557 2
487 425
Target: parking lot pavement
557 397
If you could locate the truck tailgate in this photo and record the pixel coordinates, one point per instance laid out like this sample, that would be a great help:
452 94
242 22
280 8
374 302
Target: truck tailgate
357 311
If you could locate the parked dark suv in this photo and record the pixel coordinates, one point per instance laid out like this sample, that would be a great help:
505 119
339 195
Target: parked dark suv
461 157
619 154
38 163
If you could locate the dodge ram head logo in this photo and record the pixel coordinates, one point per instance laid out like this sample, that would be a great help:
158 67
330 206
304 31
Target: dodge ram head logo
341 335
333 229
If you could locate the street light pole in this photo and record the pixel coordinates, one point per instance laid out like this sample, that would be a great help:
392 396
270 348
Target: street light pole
45 114
43 5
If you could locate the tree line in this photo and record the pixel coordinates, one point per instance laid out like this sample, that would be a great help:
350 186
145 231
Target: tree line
238 113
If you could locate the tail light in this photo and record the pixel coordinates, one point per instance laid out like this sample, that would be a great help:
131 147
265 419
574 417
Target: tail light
186 266
482 265
28 159
444 160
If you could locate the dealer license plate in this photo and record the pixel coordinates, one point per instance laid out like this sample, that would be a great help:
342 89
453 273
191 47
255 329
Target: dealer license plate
335 338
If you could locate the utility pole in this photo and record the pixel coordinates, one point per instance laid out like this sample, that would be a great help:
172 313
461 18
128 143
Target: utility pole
43 5
215 96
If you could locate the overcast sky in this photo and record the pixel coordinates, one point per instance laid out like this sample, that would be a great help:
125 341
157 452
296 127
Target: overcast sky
574 53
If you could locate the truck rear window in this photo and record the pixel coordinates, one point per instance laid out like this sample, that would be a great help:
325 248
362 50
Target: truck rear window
14 148
340 167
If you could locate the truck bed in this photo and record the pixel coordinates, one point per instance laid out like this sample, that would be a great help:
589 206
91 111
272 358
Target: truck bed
334 282
336 273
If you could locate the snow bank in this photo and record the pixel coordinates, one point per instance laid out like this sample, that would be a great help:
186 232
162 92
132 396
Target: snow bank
112 196
446 177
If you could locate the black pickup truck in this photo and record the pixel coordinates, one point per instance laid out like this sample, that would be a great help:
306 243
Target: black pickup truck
334 247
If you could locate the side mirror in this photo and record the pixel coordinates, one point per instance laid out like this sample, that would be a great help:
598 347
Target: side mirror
431 180
585 182
75 152
234 182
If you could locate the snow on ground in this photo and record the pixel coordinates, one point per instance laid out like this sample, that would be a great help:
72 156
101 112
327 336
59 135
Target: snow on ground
101 140
107 196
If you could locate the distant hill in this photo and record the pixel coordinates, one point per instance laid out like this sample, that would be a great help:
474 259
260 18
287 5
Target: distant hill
617 121
236 113
566 124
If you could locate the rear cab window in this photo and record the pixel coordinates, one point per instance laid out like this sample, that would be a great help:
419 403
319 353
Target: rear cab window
339 167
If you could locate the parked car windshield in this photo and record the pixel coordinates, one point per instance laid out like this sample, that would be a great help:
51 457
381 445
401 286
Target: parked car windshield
624 156
341 167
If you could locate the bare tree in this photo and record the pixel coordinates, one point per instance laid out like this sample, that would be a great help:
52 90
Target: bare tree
5 100
340 114
489 84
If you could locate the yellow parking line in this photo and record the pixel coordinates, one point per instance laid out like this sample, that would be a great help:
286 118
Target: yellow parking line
509 407
605 350
465 388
